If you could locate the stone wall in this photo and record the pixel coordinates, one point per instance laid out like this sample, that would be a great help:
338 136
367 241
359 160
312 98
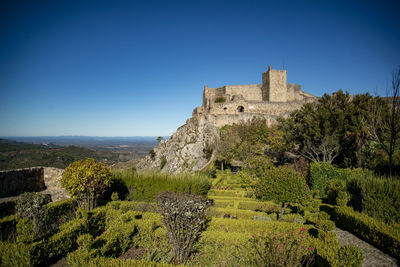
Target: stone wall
250 92
38 179
15 182
274 88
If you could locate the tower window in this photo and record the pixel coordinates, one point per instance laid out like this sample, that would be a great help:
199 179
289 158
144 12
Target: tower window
240 109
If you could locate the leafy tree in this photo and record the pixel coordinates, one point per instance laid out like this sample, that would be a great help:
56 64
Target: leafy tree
243 140
317 129
282 185
159 139
385 120
86 181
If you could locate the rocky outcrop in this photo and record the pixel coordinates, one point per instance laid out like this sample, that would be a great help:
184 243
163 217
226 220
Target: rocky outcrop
191 148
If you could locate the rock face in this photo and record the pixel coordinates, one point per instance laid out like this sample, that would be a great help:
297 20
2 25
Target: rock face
193 145
190 148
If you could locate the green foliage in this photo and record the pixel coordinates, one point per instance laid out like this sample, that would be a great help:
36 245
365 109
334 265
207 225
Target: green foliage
283 249
351 256
378 197
86 181
114 196
237 213
325 225
25 231
31 206
146 186
372 230
227 193
163 162
8 228
185 218
320 174
31 155
334 188
268 207
152 154
220 99
283 186
243 140
111 262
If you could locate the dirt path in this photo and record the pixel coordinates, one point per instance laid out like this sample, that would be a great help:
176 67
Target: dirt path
372 255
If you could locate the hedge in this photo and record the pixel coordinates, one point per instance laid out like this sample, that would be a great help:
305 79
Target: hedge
110 262
230 212
378 197
8 228
268 207
322 172
227 193
146 186
216 245
375 232
223 203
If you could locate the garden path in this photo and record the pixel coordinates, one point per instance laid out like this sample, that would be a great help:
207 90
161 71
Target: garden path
372 256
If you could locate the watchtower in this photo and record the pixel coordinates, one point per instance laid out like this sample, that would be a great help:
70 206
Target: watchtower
274 87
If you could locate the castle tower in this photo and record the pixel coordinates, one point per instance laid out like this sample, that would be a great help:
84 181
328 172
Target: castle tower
274 87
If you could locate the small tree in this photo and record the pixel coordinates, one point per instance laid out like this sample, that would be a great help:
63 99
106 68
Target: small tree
86 181
159 139
184 217
282 185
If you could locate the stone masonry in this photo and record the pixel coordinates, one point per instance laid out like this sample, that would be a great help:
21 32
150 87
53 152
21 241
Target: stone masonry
189 148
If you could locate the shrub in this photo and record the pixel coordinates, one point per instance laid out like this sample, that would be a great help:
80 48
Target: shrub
320 174
284 249
268 207
377 196
163 162
31 206
8 228
86 181
184 217
372 230
350 256
240 214
60 212
333 187
325 225
282 185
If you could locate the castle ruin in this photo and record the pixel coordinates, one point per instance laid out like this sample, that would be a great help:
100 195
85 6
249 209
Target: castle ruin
273 98
187 148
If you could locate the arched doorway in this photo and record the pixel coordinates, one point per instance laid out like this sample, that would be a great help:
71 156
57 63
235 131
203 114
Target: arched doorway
240 109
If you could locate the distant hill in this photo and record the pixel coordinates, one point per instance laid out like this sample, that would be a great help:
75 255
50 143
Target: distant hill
14 155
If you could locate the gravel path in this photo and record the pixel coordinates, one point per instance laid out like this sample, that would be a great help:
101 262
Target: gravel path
372 255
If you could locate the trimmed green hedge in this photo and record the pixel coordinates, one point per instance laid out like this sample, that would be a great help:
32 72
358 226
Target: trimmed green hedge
379 234
268 207
146 186
110 262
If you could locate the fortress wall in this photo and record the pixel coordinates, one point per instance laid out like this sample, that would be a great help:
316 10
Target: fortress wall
15 182
293 92
270 108
229 119
250 92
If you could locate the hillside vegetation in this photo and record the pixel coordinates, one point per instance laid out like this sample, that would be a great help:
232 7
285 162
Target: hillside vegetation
14 155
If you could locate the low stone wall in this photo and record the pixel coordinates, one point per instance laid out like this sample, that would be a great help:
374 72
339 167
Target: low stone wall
38 179
16 182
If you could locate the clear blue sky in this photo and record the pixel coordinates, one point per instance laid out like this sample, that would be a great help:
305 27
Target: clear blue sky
130 68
